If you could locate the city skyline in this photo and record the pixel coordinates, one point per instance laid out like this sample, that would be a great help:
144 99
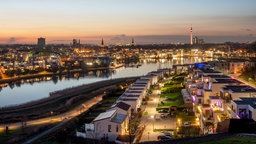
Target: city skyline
120 21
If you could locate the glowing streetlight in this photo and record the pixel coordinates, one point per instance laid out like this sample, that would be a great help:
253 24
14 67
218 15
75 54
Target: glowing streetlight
179 121
152 116
51 115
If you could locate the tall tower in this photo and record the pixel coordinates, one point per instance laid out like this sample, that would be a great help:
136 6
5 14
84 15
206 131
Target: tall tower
191 36
133 44
102 43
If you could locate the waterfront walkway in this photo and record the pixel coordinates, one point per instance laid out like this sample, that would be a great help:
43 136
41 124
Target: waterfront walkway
63 118
94 95
58 118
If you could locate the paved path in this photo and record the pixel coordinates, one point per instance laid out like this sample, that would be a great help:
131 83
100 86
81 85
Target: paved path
153 121
64 118
58 118
236 76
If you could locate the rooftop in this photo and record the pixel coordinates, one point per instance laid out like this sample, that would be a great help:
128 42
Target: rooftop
133 91
130 95
209 71
123 106
139 84
246 101
128 99
221 81
135 88
217 76
105 115
118 118
147 77
240 88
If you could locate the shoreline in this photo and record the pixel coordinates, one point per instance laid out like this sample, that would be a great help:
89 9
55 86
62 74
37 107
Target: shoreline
30 76
61 102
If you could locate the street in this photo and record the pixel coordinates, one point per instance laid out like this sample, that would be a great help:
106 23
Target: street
152 120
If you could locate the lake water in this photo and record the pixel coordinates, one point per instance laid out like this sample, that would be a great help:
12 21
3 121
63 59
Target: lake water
29 91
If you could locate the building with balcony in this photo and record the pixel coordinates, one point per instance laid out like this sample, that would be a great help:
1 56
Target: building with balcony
235 92
244 108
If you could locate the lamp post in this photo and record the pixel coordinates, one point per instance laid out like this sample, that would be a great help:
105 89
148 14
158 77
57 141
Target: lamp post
152 116
51 115
178 121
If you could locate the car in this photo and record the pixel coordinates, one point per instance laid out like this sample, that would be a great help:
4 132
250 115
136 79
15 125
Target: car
166 133
164 115
186 123
163 137
163 111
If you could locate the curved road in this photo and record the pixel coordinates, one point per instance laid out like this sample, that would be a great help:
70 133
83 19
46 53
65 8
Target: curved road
58 118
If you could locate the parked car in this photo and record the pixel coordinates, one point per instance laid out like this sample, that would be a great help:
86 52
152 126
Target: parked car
166 133
163 111
186 123
164 115
163 137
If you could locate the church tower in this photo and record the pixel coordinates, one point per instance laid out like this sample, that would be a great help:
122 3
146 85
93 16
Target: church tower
102 44
133 43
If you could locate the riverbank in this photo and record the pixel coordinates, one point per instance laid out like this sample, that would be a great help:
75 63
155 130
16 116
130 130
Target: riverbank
60 102
45 73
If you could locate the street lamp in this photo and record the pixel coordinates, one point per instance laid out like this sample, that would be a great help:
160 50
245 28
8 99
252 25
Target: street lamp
179 122
152 116
51 115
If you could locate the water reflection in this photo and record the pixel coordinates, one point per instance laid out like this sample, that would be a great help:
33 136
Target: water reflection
56 78
32 89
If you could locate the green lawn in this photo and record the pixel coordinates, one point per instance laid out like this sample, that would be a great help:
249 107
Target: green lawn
171 83
172 91
170 103
172 96
233 140
164 88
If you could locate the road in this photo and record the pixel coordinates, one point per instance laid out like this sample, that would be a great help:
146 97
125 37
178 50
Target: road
58 118
151 121
236 76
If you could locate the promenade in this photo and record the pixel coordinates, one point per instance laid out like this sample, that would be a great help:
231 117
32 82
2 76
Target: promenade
57 118
93 92
62 118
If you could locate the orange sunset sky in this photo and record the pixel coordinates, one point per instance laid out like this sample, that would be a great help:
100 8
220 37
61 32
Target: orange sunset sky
149 21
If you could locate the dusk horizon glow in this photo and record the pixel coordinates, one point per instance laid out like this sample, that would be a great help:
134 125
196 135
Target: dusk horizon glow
146 20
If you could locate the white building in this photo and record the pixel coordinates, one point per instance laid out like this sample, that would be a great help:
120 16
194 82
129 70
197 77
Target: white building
237 91
107 125
244 108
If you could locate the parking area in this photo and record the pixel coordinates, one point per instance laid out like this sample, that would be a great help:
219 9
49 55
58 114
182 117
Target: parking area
156 122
